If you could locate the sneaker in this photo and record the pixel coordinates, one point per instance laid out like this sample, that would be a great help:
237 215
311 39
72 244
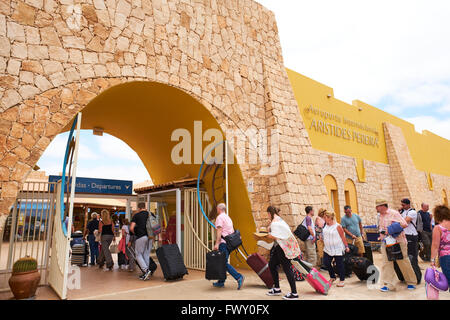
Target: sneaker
291 296
274 292
147 275
218 284
341 284
142 276
411 287
240 282
384 289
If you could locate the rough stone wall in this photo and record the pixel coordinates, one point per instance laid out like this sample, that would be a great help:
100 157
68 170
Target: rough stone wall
407 181
377 185
55 57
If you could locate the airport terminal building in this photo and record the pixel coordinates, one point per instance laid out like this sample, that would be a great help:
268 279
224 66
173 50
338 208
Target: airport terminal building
140 70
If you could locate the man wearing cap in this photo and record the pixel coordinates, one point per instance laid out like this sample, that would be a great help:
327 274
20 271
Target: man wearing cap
387 218
410 216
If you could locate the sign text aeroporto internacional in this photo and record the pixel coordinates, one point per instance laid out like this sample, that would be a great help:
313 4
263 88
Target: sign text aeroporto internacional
327 128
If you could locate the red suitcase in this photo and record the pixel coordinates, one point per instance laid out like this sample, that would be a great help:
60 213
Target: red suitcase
261 267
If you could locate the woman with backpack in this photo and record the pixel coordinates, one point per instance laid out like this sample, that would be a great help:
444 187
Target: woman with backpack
335 244
440 247
284 249
106 229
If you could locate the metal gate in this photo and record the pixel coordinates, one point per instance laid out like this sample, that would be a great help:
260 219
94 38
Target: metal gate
199 235
28 230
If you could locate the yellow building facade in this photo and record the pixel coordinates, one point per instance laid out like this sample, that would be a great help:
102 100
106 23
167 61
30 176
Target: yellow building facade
366 153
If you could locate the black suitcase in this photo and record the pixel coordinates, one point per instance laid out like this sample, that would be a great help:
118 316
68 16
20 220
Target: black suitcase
416 271
171 262
216 268
121 259
368 251
348 265
360 268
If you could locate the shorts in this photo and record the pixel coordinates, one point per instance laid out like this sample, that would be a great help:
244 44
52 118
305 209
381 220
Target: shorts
359 243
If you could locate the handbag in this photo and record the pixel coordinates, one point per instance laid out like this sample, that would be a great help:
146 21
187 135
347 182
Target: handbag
394 252
98 236
436 279
114 248
233 240
302 232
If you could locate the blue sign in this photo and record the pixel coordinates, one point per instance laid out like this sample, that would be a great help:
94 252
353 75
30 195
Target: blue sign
99 186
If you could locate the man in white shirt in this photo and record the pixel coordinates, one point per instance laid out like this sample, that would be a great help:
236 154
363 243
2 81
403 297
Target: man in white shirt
410 215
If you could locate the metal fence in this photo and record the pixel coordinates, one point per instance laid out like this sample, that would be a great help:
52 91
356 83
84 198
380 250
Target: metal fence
28 229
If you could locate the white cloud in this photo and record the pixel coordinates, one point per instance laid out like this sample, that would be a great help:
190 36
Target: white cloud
110 146
57 149
439 126
371 51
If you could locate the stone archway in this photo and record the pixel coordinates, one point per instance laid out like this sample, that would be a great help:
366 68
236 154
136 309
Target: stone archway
54 58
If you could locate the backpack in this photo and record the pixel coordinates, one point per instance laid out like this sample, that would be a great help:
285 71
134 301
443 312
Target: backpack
302 232
152 225
419 222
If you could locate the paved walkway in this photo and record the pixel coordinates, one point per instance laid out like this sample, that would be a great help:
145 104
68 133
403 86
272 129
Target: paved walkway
122 285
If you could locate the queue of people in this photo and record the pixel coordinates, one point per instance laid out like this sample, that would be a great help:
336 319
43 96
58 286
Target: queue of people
331 239
135 243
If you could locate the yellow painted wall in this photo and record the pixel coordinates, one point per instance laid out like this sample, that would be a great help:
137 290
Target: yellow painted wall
429 152
332 189
350 188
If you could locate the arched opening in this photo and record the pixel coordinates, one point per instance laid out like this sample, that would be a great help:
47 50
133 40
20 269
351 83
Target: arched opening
144 115
333 195
444 197
351 197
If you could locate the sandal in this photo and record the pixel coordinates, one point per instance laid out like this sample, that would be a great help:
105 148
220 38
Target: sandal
331 281
341 284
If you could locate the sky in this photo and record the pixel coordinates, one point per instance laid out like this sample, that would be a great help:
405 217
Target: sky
394 55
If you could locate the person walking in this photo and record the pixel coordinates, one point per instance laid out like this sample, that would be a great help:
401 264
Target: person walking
335 244
319 225
387 217
92 225
309 247
352 225
285 248
143 242
224 227
426 235
440 247
412 236
106 229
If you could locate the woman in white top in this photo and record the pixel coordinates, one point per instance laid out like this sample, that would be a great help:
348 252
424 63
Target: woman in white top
335 244
285 248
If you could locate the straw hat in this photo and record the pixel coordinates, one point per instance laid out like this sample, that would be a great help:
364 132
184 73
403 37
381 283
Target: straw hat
380 202
262 232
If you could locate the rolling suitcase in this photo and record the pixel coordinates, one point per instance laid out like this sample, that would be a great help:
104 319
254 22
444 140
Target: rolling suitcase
313 277
260 265
360 267
171 262
368 251
216 268
80 251
318 281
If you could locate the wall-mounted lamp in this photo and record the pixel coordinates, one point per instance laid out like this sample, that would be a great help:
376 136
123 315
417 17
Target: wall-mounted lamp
97 131
36 168
360 109
328 96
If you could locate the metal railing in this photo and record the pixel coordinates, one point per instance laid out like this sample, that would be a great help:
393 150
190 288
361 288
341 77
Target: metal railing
199 235
28 229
